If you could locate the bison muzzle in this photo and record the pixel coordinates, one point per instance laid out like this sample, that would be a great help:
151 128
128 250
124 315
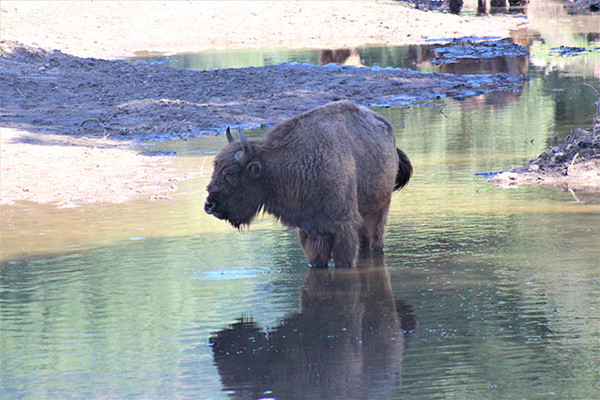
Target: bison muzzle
329 172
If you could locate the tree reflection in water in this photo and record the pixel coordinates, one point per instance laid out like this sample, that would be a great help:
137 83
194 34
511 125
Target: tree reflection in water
345 343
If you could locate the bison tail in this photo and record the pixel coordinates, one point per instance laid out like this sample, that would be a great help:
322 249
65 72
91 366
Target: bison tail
404 170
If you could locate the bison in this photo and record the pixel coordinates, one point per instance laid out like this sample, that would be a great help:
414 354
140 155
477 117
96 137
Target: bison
329 172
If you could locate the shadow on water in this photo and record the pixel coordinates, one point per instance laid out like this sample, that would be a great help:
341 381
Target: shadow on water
346 342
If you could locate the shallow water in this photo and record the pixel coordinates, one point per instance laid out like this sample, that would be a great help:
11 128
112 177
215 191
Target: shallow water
500 287
482 292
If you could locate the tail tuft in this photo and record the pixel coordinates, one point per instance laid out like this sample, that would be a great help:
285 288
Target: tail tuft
404 170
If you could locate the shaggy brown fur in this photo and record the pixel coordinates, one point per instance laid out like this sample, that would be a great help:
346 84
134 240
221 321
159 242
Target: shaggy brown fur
329 172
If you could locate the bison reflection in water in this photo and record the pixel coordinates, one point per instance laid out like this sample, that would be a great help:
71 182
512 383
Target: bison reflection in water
329 172
346 343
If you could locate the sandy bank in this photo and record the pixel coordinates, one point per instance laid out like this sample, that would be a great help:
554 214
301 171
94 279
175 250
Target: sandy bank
113 29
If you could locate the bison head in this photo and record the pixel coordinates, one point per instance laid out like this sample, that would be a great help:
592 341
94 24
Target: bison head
235 192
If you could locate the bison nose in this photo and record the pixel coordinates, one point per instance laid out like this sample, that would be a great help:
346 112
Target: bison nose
209 206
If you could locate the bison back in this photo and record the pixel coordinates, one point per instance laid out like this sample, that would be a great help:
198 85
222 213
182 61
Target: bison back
332 156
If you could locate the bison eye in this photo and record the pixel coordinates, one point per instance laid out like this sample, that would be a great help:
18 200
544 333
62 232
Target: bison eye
231 176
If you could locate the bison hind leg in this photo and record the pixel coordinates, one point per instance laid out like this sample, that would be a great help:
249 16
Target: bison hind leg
372 231
317 248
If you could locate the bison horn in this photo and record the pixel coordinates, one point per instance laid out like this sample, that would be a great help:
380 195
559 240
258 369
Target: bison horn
245 145
229 135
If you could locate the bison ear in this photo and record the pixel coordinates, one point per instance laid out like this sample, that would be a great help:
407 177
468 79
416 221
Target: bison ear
255 169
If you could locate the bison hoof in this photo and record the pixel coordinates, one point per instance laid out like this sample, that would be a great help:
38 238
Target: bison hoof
343 266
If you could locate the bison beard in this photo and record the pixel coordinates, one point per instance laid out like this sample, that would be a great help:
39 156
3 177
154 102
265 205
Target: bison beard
329 172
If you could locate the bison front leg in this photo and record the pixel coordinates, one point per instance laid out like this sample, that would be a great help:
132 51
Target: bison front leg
363 238
345 242
317 248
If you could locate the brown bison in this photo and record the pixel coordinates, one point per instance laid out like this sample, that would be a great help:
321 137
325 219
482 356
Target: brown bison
329 172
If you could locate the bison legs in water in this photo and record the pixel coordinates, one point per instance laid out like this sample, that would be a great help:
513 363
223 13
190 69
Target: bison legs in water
340 245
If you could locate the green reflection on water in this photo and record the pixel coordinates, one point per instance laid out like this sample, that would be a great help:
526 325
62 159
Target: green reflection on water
505 303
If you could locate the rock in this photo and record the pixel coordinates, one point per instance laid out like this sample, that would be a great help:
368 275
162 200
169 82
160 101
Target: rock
559 157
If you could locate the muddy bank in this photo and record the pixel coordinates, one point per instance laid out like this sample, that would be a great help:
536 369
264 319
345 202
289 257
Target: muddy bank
574 163
52 92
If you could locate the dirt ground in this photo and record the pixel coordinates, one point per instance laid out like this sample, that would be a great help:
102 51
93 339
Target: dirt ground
113 29
70 119
91 171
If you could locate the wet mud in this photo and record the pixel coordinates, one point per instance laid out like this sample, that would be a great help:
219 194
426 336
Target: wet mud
573 163
52 92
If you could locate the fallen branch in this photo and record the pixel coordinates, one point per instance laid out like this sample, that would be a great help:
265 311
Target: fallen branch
442 110
92 120
571 165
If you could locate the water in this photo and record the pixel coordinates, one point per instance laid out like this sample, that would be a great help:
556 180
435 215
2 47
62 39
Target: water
482 293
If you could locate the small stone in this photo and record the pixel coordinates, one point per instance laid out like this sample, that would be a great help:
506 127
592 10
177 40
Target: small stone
559 157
